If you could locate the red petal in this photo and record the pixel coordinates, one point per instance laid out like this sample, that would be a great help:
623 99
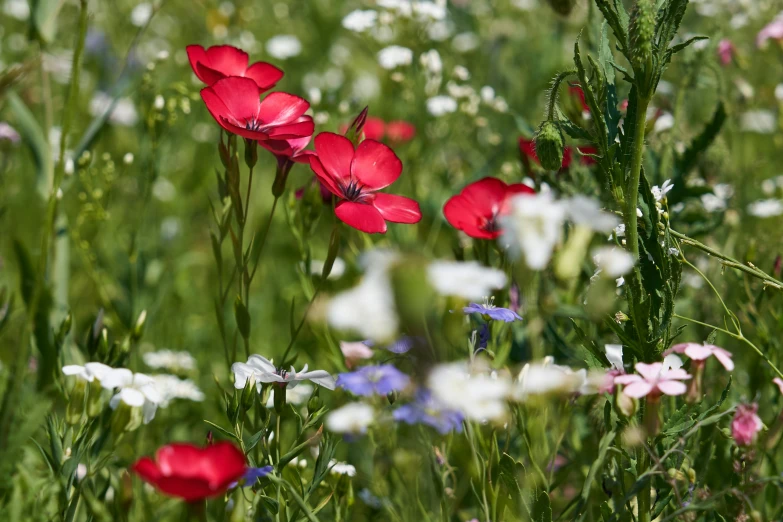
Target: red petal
462 216
335 153
365 218
374 128
233 98
400 131
227 60
147 470
375 165
222 464
187 489
180 460
304 156
241 131
528 148
323 176
280 107
264 74
397 209
197 55
567 157
302 128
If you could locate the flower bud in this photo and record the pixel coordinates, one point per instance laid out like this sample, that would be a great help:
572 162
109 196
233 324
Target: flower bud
284 166
331 255
125 418
251 153
550 144
249 394
95 399
138 328
641 31
625 404
315 402
75 410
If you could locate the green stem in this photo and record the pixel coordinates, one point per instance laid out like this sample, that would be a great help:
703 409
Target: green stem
550 113
644 500
632 190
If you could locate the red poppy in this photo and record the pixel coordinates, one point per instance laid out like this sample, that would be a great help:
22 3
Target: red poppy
355 176
292 148
400 131
475 210
235 105
219 61
193 473
528 148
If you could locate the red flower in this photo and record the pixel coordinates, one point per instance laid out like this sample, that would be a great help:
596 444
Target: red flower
215 63
476 208
293 148
577 92
193 473
400 131
235 105
528 148
374 128
355 176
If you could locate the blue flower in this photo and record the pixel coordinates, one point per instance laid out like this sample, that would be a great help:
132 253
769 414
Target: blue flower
427 410
488 309
404 344
382 379
252 475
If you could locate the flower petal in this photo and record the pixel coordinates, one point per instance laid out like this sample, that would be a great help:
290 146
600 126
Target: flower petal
649 371
375 165
264 74
365 218
335 153
724 357
323 176
672 387
233 98
397 209
697 352
226 59
280 107
638 389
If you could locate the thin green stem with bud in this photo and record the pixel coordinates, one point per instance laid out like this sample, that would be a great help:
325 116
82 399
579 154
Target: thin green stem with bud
550 114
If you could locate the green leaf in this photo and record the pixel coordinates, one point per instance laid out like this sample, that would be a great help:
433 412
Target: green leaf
605 57
603 448
224 431
44 18
35 138
542 508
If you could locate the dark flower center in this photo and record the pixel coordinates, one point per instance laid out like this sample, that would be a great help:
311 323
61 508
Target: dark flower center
353 191
252 124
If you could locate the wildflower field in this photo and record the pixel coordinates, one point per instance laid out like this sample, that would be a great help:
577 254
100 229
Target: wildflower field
391 260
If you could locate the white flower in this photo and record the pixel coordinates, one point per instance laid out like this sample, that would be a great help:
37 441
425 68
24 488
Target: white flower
766 208
135 390
664 122
89 372
128 158
779 92
429 11
671 362
760 121
296 396
354 417
360 20
465 42
141 14
533 227
260 370
586 211
431 61
545 378
620 281
469 280
619 230
170 360
660 192
712 203
367 309
172 387
19 9
341 468
284 46
338 268
478 396
613 261
394 56
440 105
614 354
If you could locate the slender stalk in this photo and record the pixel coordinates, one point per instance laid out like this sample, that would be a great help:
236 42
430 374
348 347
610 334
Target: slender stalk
644 500
550 113
632 190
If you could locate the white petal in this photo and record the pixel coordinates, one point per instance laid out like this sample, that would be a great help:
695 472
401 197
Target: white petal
117 378
321 377
614 353
98 370
149 411
75 369
242 373
131 397
261 363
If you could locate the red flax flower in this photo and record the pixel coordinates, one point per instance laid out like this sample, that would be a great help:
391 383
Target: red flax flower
476 208
220 61
292 148
355 176
528 148
193 473
235 105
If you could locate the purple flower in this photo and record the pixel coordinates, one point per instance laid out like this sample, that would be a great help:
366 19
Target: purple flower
9 133
493 312
427 410
404 344
252 475
382 379
483 338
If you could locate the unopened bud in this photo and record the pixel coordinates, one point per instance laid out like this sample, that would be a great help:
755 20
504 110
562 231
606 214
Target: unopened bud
125 418
251 153
75 410
550 144
641 31
315 402
138 329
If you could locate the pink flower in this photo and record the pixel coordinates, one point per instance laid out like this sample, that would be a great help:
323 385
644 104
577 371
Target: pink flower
700 352
220 61
354 352
772 31
653 380
779 382
746 424
726 51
